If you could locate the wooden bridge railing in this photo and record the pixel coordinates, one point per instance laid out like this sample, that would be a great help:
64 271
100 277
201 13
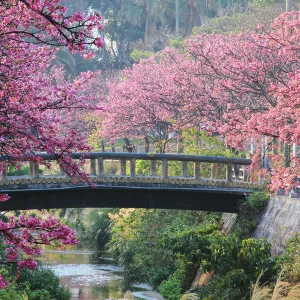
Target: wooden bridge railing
97 167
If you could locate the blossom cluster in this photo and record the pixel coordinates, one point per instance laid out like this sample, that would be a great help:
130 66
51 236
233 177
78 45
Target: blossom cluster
24 236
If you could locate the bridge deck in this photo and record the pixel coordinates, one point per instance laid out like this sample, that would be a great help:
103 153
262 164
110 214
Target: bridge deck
115 191
152 191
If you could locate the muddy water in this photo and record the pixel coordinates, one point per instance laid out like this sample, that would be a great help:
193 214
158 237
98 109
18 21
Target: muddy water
90 277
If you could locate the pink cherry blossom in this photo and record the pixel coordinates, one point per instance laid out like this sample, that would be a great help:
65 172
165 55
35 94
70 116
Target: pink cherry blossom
37 103
241 86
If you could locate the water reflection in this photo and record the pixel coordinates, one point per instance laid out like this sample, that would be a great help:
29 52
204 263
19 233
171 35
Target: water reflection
89 277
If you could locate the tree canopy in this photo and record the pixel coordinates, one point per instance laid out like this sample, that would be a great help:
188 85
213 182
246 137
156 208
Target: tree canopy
240 86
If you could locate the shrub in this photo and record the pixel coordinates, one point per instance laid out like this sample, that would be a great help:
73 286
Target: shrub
176 43
257 201
24 170
249 213
290 261
13 171
39 295
171 288
41 281
179 281
136 55
10 293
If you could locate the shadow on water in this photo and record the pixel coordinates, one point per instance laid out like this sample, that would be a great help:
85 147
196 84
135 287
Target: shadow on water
91 277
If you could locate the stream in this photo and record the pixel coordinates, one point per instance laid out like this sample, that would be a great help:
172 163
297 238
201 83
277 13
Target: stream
91 277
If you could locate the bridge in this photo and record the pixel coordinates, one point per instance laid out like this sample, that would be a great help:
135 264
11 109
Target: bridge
205 183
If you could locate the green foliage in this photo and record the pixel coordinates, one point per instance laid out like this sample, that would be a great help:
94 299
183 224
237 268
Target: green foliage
139 241
249 213
39 295
13 171
96 228
42 282
195 142
254 256
24 170
257 201
259 12
228 286
179 281
217 252
199 142
10 293
166 248
174 168
236 263
136 235
289 262
209 145
136 55
171 288
176 43
262 3
143 167
236 267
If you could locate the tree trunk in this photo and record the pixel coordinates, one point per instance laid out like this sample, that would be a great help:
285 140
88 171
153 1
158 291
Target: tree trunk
287 155
179 144
146 139
191 17
275 146
288 5
128 145
147 25
177 17
102 146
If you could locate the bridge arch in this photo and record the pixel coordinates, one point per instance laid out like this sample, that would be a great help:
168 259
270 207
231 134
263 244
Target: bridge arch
153 190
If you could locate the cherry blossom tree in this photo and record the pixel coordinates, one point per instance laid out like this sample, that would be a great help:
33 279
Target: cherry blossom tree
27 28
34 105
145 103
245 86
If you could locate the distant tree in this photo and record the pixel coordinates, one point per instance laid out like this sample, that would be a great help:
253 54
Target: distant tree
144 103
